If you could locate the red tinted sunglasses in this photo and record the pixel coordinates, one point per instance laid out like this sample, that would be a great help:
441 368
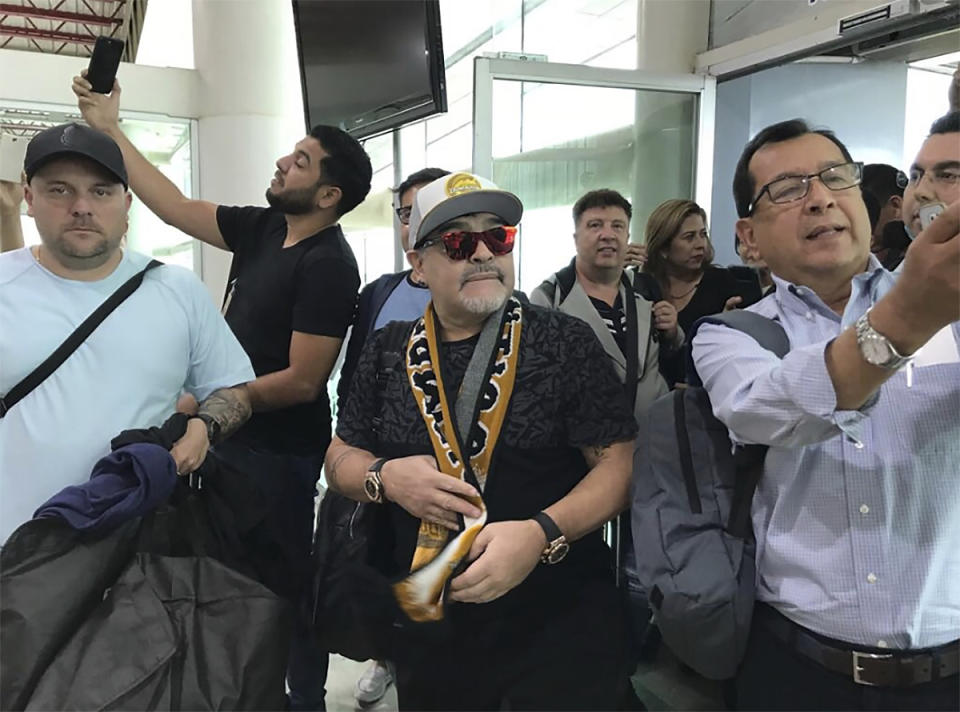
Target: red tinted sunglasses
461 244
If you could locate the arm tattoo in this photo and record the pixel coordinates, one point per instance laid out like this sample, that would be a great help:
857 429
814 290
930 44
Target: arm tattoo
333 477
595 454
598 451
230 407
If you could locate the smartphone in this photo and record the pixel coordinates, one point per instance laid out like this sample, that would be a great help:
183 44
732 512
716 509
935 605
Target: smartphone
12 151
929 212
104 62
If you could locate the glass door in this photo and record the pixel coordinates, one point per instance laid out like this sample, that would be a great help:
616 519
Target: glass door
551 132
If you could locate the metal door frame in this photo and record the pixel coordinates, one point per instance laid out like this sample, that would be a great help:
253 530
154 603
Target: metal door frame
486 70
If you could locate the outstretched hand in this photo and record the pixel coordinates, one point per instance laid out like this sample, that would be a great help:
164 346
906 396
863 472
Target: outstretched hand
100 111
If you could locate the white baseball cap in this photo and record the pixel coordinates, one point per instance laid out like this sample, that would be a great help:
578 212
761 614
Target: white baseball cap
459 194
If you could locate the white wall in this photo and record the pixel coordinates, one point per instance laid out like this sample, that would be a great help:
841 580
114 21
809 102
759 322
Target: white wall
45 78
251 107
864 104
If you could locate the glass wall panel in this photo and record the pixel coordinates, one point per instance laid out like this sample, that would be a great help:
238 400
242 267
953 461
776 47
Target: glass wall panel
369 227
167 146
641 143
594 32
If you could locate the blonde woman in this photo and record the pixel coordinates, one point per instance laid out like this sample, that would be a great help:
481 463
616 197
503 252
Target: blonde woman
679 260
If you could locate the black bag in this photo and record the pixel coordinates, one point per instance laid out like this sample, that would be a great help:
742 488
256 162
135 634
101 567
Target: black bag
145 617
350 542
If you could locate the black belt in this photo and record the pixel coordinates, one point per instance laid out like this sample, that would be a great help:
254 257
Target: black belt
901 668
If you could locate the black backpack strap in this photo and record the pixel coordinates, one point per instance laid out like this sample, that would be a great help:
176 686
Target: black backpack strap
72 342
766 332
632 340
748 460
390 357
566 278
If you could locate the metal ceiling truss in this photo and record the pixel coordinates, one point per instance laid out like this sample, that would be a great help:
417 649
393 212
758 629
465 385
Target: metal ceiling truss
70 26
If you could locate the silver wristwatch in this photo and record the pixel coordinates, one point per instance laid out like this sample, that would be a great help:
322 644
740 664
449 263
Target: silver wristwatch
875 348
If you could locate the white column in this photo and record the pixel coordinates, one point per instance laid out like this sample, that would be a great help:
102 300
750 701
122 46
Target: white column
251 106
669 36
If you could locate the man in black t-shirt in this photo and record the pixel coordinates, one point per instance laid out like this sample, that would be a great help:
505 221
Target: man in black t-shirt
531 619
291 297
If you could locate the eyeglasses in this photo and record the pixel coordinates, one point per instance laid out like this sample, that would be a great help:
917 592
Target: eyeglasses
792 188
403 213
944 175
461 244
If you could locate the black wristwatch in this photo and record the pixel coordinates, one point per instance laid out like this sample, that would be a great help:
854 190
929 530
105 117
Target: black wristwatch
213 427
373 482
557 546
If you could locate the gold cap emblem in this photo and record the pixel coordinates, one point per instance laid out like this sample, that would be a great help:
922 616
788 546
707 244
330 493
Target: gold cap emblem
461 183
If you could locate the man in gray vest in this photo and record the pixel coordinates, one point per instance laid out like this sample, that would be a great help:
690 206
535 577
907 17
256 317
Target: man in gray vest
595 288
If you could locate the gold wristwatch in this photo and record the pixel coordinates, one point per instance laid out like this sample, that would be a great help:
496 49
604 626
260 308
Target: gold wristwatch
373 482
557 546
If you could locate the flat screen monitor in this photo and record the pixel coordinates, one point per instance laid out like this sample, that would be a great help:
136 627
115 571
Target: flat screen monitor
369 66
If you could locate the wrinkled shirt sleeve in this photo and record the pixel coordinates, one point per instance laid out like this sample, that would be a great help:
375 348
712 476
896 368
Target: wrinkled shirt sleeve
765 400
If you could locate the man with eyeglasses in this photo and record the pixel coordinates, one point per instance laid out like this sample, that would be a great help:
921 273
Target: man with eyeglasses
498 443
856 515
291 296
934 180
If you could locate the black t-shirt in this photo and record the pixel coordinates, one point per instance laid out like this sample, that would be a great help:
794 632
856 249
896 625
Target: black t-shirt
716 287
566 396
310 287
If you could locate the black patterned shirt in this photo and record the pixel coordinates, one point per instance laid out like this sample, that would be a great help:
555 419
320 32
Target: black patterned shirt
566 396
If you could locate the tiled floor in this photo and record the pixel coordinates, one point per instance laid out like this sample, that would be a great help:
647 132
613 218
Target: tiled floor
341 682
661 685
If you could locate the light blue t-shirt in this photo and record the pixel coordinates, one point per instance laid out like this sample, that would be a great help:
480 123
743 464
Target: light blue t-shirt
167 337
405 303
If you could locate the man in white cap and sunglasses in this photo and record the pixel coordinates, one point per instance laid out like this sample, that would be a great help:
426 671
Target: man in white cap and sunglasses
498 444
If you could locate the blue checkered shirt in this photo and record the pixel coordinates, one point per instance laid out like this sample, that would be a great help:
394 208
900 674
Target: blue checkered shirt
857 515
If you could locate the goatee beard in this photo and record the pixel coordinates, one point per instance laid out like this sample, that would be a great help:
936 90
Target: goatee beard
297 202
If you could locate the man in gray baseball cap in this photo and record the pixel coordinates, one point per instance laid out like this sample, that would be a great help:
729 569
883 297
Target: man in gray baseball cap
498 439
77 140
165 339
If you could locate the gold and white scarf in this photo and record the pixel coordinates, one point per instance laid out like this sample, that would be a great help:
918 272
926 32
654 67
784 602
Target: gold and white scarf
437 556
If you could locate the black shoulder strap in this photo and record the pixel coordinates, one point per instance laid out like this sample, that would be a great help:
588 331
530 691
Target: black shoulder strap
766 332
633 347
72 342
566 278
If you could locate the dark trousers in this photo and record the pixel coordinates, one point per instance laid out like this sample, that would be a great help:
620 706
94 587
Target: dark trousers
773 676
572 660
288 482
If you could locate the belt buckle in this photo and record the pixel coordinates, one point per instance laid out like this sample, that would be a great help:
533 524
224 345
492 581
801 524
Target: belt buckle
858 668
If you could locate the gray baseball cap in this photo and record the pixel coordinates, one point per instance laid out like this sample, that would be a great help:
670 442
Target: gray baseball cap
75 139
456 195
